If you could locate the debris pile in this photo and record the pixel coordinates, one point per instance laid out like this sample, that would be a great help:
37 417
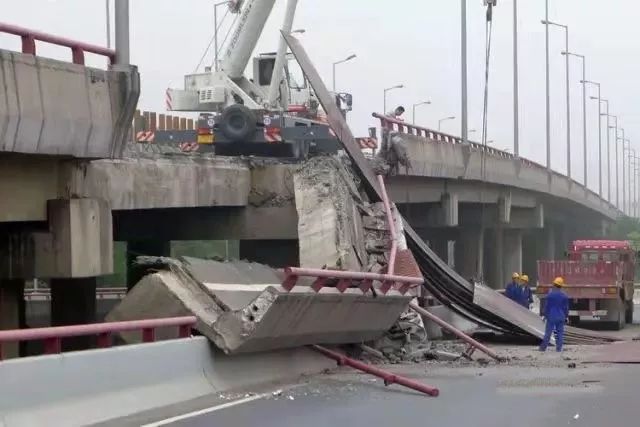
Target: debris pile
406 340
337 226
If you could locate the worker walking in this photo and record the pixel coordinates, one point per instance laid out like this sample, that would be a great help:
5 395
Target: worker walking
513 290
556 311
526 295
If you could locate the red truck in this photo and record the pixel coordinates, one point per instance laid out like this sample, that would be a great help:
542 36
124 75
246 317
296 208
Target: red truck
599 278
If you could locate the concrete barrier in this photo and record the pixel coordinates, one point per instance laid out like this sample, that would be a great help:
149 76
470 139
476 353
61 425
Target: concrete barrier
57 108
80 388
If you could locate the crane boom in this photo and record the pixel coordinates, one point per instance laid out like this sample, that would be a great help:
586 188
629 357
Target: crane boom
251 22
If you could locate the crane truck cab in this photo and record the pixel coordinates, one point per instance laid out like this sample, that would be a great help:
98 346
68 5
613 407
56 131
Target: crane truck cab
599 280
275 113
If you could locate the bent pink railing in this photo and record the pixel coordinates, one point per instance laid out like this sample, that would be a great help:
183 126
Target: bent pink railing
53 336
78 48
346 278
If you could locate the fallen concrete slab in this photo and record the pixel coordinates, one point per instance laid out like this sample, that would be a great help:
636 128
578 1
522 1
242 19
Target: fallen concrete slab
242 307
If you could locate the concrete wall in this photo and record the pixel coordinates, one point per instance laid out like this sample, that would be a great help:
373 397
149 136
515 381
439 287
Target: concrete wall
57 108
81 388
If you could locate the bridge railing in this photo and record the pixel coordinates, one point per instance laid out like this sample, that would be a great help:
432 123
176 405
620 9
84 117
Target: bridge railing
53 336
400 126
78 48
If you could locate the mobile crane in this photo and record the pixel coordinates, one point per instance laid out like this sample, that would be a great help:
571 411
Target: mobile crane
276 113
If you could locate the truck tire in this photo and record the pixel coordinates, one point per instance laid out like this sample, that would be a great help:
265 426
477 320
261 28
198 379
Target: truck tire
237 123
300 150
621 319
629 312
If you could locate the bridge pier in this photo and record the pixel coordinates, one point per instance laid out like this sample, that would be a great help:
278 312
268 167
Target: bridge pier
12 313
469 253
73 302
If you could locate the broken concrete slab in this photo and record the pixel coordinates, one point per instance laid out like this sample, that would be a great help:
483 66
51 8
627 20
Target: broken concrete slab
241 317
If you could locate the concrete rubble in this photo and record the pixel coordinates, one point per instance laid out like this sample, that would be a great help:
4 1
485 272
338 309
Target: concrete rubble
242 306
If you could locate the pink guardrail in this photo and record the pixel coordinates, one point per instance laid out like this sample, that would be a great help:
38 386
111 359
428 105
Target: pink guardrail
53 336
78 49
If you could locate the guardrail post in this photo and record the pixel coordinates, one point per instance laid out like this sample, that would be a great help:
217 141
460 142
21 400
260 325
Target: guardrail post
104 340
148 335
184 331
77 55
52 345
28 45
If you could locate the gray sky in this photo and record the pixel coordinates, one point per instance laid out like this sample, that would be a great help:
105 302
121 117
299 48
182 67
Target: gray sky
417 45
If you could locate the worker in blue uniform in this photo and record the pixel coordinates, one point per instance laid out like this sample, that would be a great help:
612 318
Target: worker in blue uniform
526 295
556 312
513 290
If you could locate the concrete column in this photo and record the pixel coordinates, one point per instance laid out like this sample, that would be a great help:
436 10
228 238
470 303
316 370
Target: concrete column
137 248
440 247
275 253
469 250
12 313
531 254
495 261
548 243
73 302
512 252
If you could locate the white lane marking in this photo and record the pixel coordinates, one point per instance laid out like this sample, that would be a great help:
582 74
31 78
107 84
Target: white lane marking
188 415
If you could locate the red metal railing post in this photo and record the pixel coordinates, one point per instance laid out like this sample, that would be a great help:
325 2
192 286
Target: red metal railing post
28 44
289 282
104 340
184 331
319 284
52 345
77 55
148 335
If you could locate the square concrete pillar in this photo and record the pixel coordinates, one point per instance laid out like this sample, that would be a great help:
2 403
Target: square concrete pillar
73 302
469 253
497 278
79 242
504 209
12 313
450 209
512 253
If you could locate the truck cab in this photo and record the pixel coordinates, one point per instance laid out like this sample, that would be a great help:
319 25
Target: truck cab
599 280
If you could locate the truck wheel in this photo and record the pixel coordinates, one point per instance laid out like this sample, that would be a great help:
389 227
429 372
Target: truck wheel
629 312
300 150
621 319
237 123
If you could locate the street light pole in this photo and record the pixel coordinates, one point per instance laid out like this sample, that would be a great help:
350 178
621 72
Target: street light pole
348 58
606 101
108 13
413 116
584 110
568 90
516 111
616 159
443 120
122 32
599 137
548 89
463 71
385 95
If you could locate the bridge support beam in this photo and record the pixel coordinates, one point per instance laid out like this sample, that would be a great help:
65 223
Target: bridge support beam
274 253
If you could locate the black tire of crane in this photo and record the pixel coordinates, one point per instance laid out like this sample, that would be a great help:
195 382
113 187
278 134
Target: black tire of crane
238 123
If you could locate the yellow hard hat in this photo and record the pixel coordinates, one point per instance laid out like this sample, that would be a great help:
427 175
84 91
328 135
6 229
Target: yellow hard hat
558 281
524 278
515 276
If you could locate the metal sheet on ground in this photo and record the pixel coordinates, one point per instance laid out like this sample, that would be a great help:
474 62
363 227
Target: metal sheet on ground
620 352
440 280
